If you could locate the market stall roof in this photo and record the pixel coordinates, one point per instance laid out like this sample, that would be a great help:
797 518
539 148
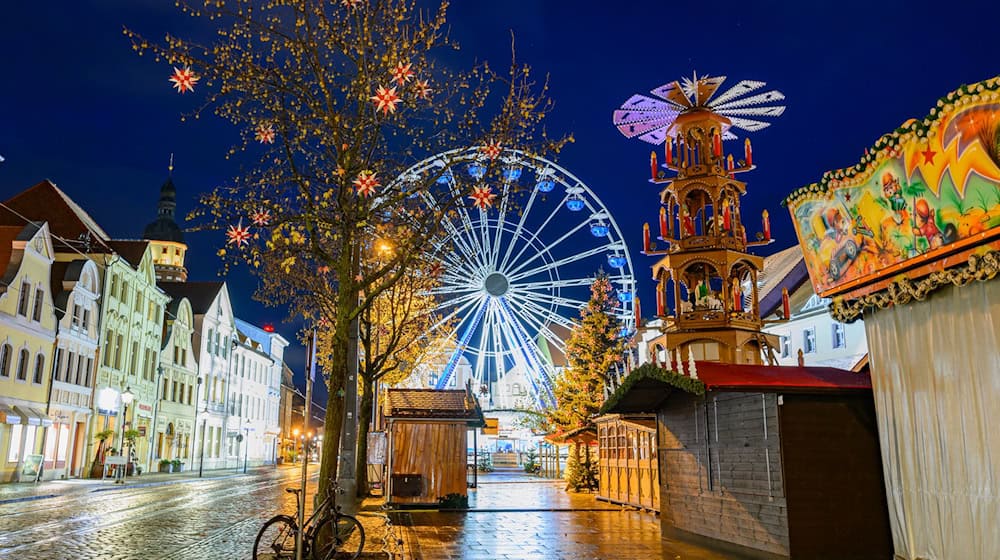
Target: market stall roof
432 404
646 388
585 435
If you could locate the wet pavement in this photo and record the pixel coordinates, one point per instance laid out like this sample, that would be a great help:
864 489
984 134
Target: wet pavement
513 516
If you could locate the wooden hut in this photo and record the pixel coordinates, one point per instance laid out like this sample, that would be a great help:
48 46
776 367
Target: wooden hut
768 461
427 441
627 458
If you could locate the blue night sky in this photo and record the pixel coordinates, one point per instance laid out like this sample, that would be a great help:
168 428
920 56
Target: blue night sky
80 108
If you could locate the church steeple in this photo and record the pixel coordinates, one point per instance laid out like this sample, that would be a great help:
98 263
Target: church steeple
166 236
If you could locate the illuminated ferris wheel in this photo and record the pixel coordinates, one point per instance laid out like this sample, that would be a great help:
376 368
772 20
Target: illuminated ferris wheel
514 275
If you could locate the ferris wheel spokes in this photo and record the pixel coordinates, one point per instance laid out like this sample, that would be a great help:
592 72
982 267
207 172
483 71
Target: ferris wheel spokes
534 321
516 275
529 348
559 283
517 230
528 241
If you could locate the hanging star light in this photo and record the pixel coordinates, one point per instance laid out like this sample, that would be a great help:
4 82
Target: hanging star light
365 183
184 79
422 89
264 134
491 150
652 120
402 73
261 218
385 100
482 197
350 4
238 235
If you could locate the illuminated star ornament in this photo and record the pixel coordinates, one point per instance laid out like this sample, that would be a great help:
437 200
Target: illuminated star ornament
386 100
652 120
422 89
365 183
482 197
264 134
238 235
261 218
350 4
184 79
491 150
402 73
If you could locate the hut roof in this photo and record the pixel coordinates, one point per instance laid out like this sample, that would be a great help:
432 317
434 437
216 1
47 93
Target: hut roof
647 387
584 435
432 404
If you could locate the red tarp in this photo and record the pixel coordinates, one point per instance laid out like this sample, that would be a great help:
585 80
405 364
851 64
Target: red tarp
717 376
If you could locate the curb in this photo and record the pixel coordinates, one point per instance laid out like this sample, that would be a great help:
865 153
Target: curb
28 499
128 485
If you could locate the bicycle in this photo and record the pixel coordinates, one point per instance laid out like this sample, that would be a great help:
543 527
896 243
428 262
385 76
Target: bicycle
328 534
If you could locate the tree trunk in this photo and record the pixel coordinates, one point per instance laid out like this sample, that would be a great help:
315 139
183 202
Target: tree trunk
364 421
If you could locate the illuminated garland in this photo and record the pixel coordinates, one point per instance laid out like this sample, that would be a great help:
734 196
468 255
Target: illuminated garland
903 291
890 143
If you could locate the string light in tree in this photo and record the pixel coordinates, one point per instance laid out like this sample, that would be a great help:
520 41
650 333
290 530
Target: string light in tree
366 182
264 134
184 79
422 89
238 235
492 149
261 218
402 73
482 197
386 100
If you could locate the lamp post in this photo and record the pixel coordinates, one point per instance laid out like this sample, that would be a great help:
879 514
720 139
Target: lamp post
204 421
127 396
246 445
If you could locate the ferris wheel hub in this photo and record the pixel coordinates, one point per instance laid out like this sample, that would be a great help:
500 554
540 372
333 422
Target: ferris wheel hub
496 284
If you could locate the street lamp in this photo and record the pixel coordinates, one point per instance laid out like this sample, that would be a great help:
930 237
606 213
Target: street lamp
246 445
204 421
127 396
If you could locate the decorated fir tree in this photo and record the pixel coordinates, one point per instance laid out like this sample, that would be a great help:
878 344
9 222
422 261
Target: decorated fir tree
593 348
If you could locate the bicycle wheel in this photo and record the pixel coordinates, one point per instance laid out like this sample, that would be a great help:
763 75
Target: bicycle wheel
338 538
276 539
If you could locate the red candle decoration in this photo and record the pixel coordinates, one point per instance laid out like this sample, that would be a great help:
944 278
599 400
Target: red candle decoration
668 150
729 162
765 217
737 296
652 164
663 223
748 152
645 238
638 313
785 307
717 144
659 302
727 219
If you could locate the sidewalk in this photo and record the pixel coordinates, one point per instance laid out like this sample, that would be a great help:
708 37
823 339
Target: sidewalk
13 492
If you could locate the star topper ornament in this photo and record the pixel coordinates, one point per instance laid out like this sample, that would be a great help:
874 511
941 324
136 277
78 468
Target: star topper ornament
386 100
184 79
422 89
264 134
492 149
366 182
652 120
402 73
238 235
261 218
482 197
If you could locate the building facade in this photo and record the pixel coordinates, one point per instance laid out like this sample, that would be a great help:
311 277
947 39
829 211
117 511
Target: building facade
174 422
259 359
27 334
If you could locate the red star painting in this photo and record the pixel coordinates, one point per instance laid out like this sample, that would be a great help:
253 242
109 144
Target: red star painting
482 197
386 100
184 79
365 183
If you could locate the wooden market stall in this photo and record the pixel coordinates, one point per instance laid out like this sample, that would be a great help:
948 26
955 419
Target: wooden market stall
767 460
627 454
427 441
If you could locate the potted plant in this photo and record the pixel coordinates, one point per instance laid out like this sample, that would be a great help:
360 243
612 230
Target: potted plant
130 437
165 465
176 464
102 438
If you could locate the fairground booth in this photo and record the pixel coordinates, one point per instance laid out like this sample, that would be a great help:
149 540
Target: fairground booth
909 240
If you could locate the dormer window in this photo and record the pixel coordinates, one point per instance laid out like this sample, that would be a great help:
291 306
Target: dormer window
22 301
36 312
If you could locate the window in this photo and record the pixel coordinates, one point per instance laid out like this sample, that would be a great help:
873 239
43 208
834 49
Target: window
36 311
86 375
119 343
86 319
107 348
809 340
5 355
22 300
39 368
839 335
57 365
22 365
189 394
134 363
165 382
14 453
173 393
211 339
786 346
81 374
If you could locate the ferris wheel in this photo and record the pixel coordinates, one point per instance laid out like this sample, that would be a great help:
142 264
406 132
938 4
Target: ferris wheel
515 275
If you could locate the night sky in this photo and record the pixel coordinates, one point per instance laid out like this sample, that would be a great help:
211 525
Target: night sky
79 107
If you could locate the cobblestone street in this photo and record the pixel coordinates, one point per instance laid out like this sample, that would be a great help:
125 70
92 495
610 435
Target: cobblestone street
180 517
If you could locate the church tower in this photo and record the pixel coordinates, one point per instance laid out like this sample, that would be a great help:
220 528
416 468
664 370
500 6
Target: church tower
166 237
706 292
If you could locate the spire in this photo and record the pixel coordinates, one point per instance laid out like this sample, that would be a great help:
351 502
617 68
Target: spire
165 227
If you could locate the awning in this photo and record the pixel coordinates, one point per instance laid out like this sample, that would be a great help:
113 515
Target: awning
8 416
33 417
